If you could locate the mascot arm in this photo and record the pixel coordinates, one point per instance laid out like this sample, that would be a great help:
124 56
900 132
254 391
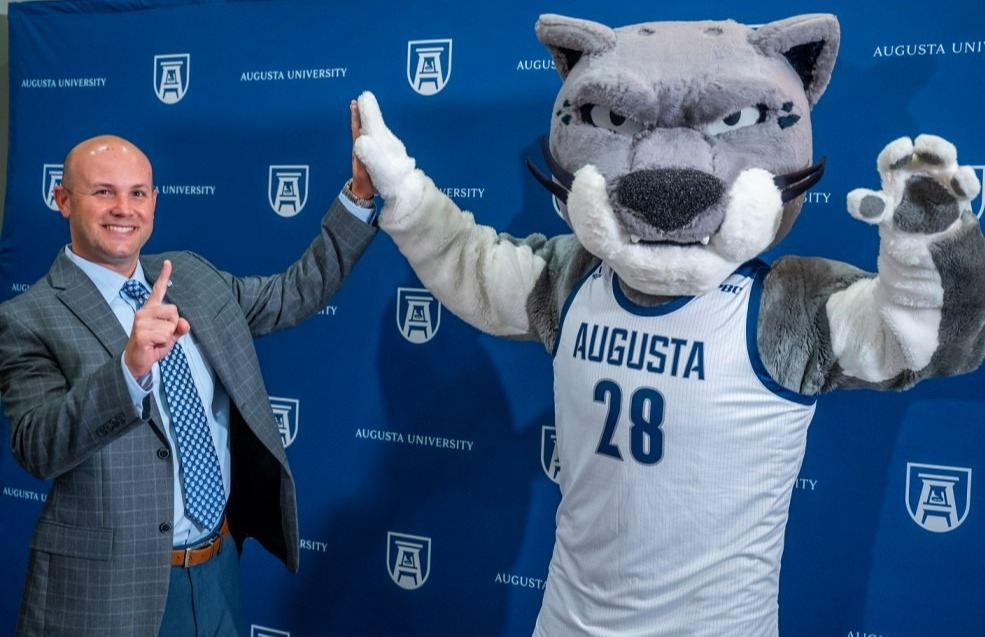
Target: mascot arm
793 332
923 314
499 284
483 277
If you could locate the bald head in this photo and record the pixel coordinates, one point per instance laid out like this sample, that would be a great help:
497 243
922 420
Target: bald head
102 150
107 194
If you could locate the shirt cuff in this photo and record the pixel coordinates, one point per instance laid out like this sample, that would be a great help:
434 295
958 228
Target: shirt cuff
139 388
366 215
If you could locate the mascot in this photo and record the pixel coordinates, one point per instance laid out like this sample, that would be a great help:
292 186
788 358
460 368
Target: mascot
686 368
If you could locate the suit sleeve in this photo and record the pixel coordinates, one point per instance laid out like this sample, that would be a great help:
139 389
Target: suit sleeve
55 423
272 303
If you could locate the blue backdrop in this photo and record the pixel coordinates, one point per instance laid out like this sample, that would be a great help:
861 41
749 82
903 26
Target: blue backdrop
410 434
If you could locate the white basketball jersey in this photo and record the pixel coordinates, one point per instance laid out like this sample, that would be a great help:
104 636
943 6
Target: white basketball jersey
678 455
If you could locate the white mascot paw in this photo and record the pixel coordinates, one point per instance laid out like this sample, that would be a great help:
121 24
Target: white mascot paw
924 190
390 168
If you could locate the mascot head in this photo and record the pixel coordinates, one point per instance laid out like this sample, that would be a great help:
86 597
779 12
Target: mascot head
683 149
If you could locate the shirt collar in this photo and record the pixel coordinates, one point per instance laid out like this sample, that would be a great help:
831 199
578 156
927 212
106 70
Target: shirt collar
106 281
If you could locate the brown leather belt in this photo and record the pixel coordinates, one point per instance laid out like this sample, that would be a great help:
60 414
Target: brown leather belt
201 554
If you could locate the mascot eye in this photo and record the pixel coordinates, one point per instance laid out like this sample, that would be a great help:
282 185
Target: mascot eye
739 119
601 117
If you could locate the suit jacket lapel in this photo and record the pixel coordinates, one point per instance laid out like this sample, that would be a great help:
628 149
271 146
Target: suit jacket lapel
198 311
81 297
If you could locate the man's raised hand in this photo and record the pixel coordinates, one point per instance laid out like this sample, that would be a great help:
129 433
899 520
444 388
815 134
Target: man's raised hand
156 328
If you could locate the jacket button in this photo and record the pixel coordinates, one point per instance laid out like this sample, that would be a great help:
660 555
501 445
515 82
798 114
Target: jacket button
165 527
163 454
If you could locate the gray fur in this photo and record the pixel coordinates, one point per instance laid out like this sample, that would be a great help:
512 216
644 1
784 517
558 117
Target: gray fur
961 262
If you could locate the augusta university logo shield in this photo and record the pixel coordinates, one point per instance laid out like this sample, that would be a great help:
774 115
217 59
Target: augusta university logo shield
550 462
51 179
978 204
428 65
286 414
171 73
287 189
418 314
408 559
938 497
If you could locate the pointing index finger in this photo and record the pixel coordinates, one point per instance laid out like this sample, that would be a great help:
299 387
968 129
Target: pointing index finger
161 285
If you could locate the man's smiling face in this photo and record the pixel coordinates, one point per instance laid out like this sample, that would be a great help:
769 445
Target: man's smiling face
108 196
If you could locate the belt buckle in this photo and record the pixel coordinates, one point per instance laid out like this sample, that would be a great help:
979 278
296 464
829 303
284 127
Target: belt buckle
191 553
213 546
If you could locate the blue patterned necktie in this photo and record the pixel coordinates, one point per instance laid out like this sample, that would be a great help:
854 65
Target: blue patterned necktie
202 478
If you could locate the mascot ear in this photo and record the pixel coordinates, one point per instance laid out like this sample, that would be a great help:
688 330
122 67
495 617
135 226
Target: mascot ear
810 45
568 39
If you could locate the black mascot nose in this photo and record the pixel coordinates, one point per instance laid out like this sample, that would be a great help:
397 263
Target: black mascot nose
669 198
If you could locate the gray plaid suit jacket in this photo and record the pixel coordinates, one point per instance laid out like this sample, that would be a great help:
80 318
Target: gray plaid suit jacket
100 554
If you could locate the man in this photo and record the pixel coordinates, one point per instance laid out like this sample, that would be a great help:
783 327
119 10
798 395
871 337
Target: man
150 480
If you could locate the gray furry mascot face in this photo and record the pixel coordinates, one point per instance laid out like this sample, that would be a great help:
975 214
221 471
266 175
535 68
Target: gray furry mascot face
683 149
